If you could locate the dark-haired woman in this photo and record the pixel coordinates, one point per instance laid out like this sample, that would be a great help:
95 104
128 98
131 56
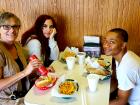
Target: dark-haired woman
39 40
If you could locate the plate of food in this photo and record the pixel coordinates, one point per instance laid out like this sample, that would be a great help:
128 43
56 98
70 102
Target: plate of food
99 66
104 74
66 54
67 88
45 82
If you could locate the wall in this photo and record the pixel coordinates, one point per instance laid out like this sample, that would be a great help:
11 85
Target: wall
75 18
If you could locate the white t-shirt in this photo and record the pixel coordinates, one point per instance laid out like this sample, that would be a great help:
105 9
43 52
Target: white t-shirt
34 47
128 75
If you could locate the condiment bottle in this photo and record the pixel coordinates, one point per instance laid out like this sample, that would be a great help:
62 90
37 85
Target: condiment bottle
42 69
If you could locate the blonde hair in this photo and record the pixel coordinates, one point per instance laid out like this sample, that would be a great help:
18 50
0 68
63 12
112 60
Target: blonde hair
4 16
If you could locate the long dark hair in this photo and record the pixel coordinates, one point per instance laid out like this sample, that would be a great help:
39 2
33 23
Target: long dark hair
36 29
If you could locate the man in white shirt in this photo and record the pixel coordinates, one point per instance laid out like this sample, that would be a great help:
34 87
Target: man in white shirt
127 67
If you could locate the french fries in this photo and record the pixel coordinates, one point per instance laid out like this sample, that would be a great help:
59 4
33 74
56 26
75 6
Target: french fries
67 88
68 54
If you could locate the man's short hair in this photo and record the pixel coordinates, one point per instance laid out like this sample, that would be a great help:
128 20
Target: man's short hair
123 34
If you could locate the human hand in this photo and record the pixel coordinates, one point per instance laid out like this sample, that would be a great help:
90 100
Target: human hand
53 33
50 69
34 64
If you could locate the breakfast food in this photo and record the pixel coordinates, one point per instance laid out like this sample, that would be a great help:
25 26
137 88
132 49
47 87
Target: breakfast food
98 71
45 81
67 87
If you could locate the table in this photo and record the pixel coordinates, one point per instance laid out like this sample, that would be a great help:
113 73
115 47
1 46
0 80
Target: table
84 96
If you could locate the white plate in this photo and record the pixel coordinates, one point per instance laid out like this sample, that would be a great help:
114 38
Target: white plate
55 89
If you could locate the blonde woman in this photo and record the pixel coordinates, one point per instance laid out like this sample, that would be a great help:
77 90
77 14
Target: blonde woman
13 68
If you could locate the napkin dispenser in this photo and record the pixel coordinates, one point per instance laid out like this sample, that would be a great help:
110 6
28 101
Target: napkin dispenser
92 46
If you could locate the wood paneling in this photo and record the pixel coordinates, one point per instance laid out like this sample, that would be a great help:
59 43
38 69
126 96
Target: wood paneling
76 18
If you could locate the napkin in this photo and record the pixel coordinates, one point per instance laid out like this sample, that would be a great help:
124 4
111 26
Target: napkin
68 52
75 50
94 63
72 49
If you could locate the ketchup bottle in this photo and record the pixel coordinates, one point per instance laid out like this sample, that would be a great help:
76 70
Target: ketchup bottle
42 69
